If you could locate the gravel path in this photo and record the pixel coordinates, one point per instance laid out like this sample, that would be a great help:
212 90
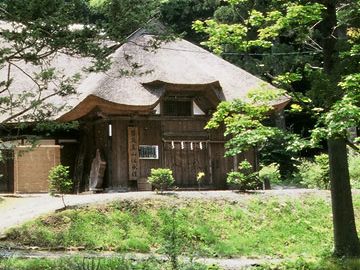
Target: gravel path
16 210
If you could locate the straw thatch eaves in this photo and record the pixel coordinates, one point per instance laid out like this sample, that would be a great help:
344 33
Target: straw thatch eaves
177 66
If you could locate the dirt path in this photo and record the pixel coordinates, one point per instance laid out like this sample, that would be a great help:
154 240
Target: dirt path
17 210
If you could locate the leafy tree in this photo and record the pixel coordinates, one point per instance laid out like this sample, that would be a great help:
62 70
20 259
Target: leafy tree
60 181
327 32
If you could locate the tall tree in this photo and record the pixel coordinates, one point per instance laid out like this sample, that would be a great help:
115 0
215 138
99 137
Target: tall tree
328 31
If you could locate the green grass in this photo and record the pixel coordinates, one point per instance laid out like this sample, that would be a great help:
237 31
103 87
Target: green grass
313 264
95 264
294 227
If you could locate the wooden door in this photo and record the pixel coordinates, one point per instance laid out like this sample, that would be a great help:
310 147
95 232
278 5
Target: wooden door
186 162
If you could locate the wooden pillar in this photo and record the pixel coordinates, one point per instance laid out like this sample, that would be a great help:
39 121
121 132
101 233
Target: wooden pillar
109 150
211 180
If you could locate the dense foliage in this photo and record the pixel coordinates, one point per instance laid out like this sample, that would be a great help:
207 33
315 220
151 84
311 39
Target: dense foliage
297 29
314 173
328 32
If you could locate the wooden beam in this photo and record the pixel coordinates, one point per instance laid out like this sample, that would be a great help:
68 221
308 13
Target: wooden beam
151 118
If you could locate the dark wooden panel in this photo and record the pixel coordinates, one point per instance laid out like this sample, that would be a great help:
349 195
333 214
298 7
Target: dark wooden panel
183 126
250 156
79 168
119 154
149 134
221 165
89 150
186 163
68 155
7 172
101 133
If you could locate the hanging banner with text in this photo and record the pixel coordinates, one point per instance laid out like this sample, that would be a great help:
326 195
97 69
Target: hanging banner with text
133 153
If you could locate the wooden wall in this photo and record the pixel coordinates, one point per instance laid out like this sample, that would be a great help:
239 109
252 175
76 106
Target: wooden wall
185 163
32 166
150 134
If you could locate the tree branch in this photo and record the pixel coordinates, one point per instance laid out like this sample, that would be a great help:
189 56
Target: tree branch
12 117
26 74
352 145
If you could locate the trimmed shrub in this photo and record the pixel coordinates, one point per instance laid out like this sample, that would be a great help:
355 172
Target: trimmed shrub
245 178
270 173
161 178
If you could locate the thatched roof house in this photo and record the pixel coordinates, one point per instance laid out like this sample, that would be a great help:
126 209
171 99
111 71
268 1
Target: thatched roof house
149 110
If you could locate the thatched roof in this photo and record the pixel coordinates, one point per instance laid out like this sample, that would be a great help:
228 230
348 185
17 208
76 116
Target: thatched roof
175 66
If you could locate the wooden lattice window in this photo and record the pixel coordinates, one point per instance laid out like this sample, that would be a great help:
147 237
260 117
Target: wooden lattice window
173 107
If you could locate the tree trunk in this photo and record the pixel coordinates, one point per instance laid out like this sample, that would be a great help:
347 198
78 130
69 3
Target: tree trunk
345 235
346 242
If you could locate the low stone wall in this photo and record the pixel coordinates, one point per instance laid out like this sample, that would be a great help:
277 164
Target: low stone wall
32 166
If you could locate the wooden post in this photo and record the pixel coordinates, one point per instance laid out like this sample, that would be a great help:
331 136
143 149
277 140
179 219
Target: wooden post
210 164
110 161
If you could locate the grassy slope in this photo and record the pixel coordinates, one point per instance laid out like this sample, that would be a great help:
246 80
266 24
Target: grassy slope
256 228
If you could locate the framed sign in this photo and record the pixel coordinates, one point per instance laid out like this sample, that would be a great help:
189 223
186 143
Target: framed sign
149 152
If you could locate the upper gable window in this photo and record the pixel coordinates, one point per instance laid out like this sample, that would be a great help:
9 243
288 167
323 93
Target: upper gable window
173 107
